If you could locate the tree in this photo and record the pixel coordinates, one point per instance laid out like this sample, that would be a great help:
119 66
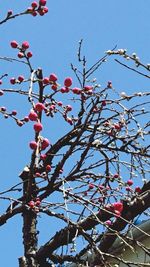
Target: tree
86 178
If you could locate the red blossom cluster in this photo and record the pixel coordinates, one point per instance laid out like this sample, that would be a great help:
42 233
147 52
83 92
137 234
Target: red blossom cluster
115 208
22 49
35 204
38 8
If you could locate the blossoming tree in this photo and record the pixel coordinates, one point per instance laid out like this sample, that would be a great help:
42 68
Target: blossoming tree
90 170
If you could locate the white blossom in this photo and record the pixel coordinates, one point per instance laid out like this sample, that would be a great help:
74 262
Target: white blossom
121 51
109 52
123 94
96 142
134 55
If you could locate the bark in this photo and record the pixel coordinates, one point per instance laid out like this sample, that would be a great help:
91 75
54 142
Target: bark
30 240
30 237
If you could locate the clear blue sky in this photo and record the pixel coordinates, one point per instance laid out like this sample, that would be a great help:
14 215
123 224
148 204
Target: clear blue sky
54 41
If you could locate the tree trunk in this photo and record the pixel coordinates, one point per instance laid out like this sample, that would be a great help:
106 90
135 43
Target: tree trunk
30 240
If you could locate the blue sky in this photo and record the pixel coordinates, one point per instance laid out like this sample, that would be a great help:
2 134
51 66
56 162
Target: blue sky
54 42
